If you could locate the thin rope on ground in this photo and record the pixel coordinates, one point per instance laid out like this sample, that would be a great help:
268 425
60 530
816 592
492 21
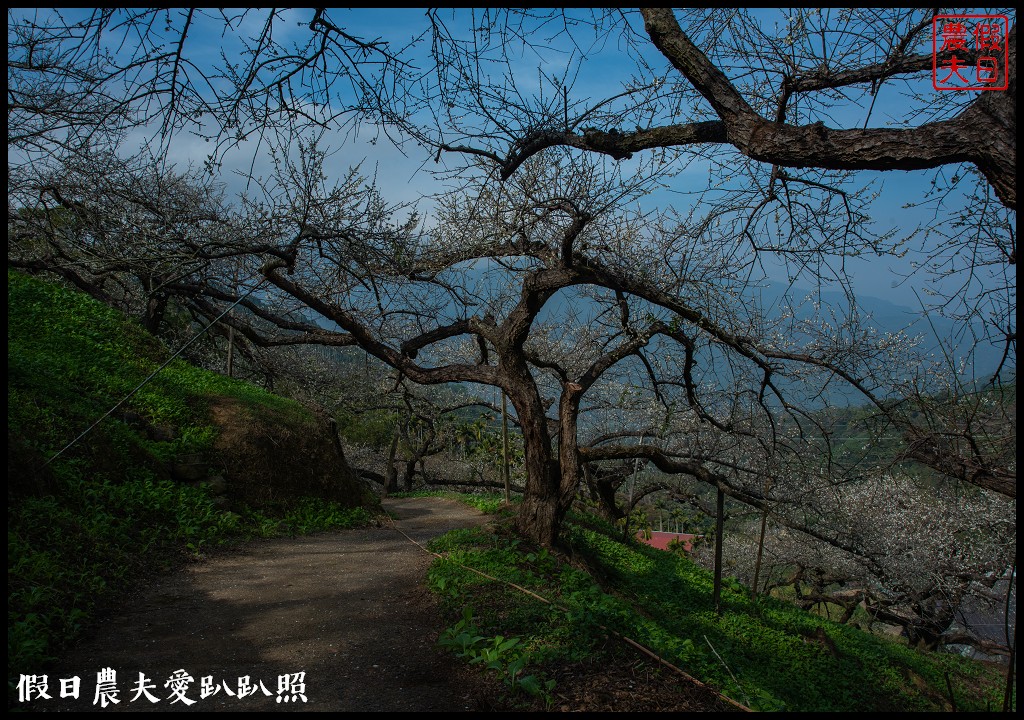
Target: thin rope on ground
629 641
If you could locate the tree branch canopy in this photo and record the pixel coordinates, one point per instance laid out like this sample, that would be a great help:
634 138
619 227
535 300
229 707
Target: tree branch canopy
931 145
984 134
599 307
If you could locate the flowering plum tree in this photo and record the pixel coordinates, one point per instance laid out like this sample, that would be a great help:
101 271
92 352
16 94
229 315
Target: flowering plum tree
545 272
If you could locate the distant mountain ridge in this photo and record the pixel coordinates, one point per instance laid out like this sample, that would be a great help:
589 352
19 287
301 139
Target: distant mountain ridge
939 335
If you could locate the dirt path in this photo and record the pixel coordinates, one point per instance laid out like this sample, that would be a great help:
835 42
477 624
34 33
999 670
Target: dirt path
348 609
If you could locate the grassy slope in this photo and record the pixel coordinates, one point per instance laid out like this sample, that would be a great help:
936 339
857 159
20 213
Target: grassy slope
768 655
104 514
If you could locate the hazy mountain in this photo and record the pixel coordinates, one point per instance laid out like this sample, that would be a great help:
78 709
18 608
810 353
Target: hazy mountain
938 335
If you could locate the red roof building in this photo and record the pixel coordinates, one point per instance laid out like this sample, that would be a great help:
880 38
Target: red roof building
661 539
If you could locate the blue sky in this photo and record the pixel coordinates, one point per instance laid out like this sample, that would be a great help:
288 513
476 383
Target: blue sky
603 71
405 177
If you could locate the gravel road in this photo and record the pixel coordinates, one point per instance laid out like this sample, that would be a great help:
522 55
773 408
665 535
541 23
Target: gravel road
331 622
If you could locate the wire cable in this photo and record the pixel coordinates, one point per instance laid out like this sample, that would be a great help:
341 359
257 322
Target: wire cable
154 373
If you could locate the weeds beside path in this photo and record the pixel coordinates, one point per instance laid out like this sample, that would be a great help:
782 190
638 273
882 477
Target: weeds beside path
348 609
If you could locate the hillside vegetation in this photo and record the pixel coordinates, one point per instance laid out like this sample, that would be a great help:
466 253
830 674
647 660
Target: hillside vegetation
191 461
194 460
765 654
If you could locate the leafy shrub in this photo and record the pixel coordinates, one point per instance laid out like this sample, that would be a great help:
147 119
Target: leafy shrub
505 656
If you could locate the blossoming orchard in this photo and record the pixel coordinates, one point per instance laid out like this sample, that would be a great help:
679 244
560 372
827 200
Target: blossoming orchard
647 231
